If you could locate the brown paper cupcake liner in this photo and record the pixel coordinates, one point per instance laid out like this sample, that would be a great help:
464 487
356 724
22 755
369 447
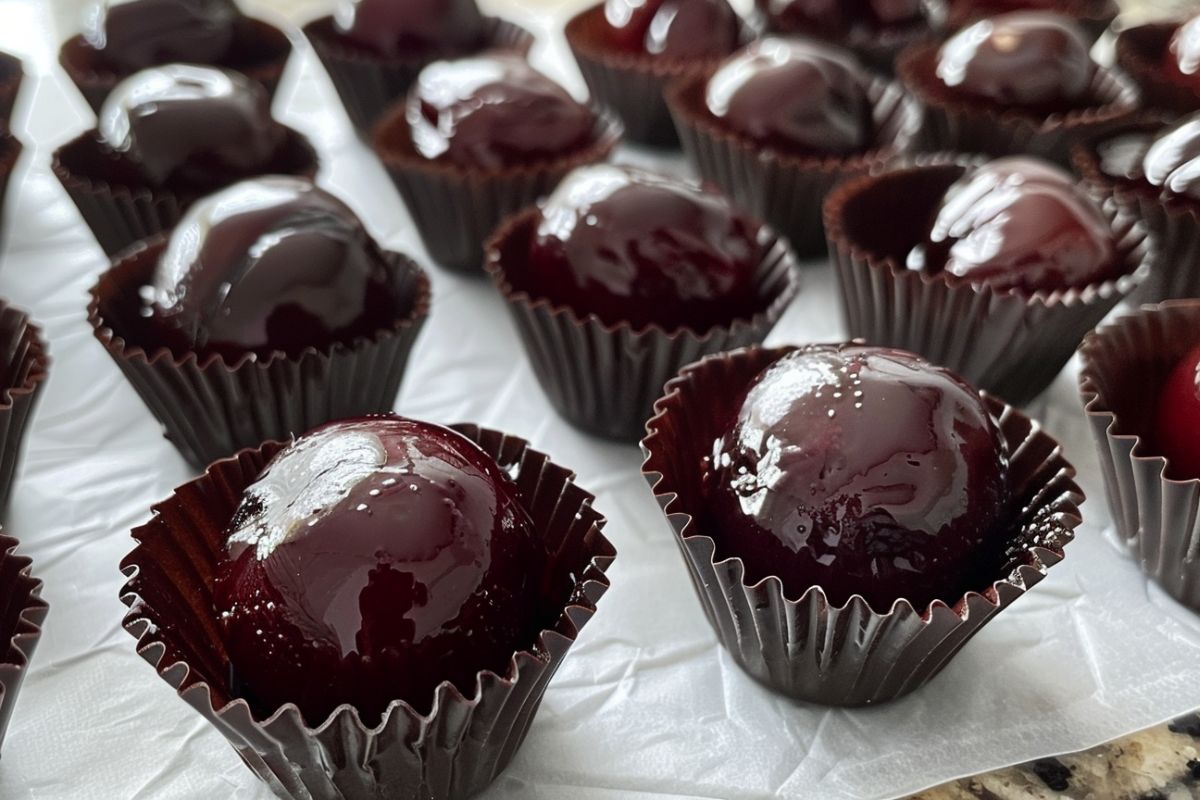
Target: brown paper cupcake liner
807 647
787 191
24 366
1139 55
270 47
603 379
1094 17
456 209
12 74
22 614
452 752
210 409
121 215
1005 342
369 85
1174 225
632 86
1124 364
954 124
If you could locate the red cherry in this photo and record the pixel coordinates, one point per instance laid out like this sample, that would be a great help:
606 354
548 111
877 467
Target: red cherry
1177 423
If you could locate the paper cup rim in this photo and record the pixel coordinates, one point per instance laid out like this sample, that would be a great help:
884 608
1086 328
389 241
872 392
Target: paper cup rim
1136 245
1095 406
775 251
501 34
1020 578
122 349
877 89
28 628
1116 94
294 139
38 357
604 553
608 132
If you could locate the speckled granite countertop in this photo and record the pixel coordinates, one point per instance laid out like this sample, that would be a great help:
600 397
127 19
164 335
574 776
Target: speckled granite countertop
1159 764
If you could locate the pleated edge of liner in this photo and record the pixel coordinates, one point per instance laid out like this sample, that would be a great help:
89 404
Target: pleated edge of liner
28 629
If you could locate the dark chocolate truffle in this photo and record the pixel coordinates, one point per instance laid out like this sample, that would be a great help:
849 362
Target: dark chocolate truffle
1177 423
1035 61
398 28
1019 223
144 33
373 559
630 246
796 96
494 112
270 265
191 128
861 470
832 19
1182 59
674 29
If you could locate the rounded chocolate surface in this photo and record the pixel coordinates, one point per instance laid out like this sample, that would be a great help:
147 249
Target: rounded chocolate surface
270 265
400 28
189 127
1019 223
861 470
1172 161
836 18
373 559
494 112
144 33
674 29
630 246
793 95
1035 61
1182 59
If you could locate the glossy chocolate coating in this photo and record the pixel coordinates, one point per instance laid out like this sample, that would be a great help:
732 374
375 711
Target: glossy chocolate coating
630 246
1177 423
796 96
272 264
674 29
1172 162
400 28
146 33
191 128
494 112
373 559
1182 59
1019 223
1035 61
860 470
835 18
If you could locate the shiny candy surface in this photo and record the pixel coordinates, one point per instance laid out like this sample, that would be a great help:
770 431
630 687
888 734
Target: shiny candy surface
272 264
1037 61
631 246
373 559
146 33
1172 162
494 112
833 18
189 127
796 96
860 470
1019 223
1182 58
1176 432
676 29
397 28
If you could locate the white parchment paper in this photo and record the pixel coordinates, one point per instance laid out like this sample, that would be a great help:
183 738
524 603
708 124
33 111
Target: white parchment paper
647 705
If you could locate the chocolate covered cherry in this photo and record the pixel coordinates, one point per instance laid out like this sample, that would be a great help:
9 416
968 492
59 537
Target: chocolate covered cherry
373 559
494 112
1019 223
145 33
191 128
677 29
272 264
797 96
1177 423
835 18
1172 162
1182 58
1036 61
397 28
863 471
630 246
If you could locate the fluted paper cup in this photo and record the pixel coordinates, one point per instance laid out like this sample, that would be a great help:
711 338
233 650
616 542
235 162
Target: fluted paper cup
22 614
